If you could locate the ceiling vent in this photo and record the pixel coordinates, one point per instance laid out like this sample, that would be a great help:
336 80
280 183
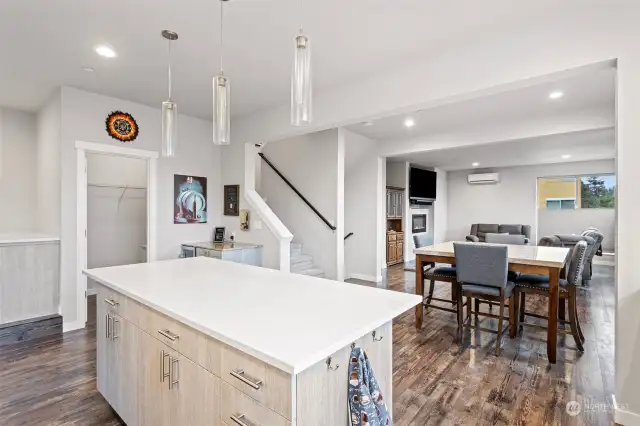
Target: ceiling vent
483 178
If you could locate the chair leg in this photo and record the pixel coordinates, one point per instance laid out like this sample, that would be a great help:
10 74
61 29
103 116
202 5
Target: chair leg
454 297
562 310
431 287
476 307
513 315
522 307
469 307
460 315
500 320
573 319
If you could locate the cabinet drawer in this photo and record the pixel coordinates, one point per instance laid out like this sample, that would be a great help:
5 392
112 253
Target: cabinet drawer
117 303
391 237
198 347
238 409
262 382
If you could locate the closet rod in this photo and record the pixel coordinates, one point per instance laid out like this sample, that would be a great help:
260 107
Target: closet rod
116 186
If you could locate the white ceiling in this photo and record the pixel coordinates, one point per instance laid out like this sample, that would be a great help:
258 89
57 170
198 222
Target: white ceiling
581 92
47 42
582 146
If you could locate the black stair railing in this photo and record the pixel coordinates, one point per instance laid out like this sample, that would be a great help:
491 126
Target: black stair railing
349 235
324 219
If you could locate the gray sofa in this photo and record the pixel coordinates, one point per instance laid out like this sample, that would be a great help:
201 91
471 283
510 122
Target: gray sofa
593 238
479 230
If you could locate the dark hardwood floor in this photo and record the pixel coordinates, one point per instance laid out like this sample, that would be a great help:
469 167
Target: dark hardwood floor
51 381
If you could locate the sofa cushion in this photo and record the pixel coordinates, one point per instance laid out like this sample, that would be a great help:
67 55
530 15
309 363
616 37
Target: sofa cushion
510 229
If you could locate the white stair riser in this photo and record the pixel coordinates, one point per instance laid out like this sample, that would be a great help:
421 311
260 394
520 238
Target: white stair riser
302 267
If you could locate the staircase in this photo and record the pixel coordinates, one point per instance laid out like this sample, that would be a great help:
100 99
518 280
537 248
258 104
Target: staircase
303 263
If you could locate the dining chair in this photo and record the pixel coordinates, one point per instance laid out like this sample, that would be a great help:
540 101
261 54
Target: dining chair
539 284
505 239
433 274
482 273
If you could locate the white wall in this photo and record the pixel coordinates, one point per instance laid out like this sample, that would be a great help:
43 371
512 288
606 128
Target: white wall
514 198
116 218
83 117
18 172
360 211
48 164
310 163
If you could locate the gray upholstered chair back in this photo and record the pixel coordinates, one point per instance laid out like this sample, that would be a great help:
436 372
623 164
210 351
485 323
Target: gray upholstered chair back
421 240
576 262
505 239
483 264
598 238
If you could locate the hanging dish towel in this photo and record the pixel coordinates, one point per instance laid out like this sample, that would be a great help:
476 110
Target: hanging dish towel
366 405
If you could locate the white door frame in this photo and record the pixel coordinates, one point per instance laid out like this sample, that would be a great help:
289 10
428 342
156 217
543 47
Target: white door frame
82 148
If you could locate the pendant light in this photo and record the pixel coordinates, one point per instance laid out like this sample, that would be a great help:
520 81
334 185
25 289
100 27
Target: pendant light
169 111
301 79
221 96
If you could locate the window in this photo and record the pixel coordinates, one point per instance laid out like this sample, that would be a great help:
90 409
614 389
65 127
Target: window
561 204
577 192
598 192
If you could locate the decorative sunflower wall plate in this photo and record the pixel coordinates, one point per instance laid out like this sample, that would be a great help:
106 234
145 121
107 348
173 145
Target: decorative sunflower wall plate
122 126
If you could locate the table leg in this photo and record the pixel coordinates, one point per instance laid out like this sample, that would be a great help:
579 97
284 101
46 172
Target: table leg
552 330
419 291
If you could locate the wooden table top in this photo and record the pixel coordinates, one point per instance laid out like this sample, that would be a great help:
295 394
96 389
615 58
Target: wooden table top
553 257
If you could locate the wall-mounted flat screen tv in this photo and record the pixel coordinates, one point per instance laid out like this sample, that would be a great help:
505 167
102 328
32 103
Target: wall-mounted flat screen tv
422 184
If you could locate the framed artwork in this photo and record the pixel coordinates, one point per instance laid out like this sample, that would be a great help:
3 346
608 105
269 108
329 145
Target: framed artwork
218 234
231 200
190 199
122 126
244 220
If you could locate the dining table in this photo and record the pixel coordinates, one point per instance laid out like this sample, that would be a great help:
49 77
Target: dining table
527 259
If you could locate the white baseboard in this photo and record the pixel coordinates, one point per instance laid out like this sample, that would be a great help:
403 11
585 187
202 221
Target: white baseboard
364 277
72 325
624 417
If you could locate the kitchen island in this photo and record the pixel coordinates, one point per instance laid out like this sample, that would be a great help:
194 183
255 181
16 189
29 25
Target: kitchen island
203 341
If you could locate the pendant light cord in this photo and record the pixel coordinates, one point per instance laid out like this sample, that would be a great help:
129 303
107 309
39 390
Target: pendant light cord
301 14
169 69
221 34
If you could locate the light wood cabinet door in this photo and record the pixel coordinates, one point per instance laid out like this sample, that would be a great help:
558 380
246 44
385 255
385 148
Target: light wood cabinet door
399 250
154 400
103 355
195 398
391 251
124 369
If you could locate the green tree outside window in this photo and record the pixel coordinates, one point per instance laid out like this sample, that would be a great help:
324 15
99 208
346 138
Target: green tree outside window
598 192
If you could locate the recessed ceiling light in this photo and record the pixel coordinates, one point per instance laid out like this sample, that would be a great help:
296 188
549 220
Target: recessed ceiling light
106 51
555 95
368 123
566 156
475 164
88 69
409 122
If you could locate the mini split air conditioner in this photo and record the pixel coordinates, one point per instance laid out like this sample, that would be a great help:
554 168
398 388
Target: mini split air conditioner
483 178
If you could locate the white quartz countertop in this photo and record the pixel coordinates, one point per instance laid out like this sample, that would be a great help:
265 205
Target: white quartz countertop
26 237
290 321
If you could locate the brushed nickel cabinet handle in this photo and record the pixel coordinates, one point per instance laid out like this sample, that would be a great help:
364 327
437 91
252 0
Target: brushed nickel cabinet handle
238 419
375 339
169 335
111 302
239 374
114 321
174 366
106 325
163 375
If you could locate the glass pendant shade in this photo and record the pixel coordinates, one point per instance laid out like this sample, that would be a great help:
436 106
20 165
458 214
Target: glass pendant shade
221 110
301 83
169 128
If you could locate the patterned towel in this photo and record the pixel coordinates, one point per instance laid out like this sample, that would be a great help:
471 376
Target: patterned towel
366 405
